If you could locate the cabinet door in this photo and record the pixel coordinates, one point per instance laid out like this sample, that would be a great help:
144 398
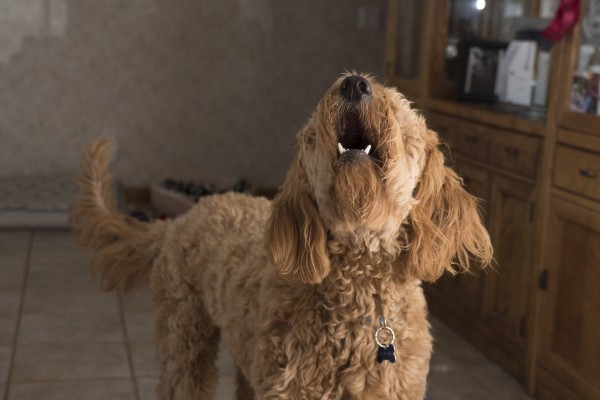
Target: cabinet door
403 44
569 363
477 183
466 289
580 56
467 20
506 288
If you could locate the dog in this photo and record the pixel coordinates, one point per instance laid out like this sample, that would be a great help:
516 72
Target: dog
317 294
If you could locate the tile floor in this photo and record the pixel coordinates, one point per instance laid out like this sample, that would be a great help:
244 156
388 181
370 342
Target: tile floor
62 338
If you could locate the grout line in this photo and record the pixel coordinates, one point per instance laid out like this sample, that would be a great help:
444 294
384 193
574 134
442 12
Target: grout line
19 314
78 379
128 347
73 342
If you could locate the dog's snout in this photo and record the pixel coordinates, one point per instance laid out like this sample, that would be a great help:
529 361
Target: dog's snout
355 88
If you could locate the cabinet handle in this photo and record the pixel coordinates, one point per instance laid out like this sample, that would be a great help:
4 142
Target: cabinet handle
511 151
587 173
471 138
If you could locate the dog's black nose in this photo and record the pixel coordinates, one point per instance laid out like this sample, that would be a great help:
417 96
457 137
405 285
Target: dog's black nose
355 88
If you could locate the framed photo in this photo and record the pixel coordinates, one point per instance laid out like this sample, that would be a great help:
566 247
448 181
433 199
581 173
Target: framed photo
584 93
478 62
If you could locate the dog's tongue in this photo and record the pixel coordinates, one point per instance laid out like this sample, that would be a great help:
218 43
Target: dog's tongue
352 125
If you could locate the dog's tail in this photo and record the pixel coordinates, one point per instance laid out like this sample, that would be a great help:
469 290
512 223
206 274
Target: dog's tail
124 248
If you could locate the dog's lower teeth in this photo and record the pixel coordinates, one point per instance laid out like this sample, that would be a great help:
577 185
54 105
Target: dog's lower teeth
367 149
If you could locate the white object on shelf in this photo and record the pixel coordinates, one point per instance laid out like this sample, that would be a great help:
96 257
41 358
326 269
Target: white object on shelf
520 66
540 93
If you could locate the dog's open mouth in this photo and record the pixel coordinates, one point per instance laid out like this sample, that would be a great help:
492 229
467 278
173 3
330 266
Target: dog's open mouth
354 138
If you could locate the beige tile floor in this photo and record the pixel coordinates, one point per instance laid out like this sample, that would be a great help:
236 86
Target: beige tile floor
61 338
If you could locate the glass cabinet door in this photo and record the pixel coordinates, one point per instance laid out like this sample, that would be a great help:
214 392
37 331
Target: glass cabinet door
485 20
586 75
408 39
404 38
579 103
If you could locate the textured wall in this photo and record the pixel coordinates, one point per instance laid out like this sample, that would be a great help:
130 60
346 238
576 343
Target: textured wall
193 89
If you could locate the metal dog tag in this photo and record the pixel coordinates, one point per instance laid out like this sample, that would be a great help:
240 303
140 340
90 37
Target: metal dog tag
385 352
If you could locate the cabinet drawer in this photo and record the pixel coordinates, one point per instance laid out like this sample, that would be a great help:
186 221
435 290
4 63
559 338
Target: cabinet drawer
577 171
473 140
444 125
514 152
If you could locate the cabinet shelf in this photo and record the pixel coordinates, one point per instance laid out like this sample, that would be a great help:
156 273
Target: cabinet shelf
498 114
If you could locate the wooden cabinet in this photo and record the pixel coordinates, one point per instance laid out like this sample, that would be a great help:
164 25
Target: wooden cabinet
403 57
492 308
506 301
577 171
580 57
537 171
569 362
477 182
466 290
515 153
473 140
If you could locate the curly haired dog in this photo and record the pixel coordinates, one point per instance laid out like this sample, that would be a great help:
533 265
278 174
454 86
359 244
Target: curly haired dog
296 287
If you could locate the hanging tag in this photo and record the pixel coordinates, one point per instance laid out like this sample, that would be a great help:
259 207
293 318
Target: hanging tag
385 352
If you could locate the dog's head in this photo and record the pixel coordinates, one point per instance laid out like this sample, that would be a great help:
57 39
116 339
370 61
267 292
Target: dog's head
367 174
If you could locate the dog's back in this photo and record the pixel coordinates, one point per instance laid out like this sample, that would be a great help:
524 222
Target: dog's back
219 247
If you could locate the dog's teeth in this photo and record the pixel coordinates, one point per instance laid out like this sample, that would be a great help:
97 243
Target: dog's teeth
367 149
341 148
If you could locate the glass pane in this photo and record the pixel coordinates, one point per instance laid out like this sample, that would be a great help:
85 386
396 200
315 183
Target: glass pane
586 79
466 19
408 38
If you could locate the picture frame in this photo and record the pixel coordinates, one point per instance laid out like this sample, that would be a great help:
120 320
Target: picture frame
584 93
478 61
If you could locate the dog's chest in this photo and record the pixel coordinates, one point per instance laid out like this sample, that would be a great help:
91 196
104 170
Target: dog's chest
361 317
322 344
351 364
339 363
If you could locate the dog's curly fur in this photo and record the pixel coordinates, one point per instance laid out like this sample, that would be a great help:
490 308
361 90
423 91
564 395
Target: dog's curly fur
292 285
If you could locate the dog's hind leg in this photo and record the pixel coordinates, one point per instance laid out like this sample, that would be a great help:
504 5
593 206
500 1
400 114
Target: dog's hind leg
187 348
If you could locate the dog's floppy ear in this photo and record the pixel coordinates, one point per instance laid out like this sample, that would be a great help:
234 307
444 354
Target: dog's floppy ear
446 231
296 236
